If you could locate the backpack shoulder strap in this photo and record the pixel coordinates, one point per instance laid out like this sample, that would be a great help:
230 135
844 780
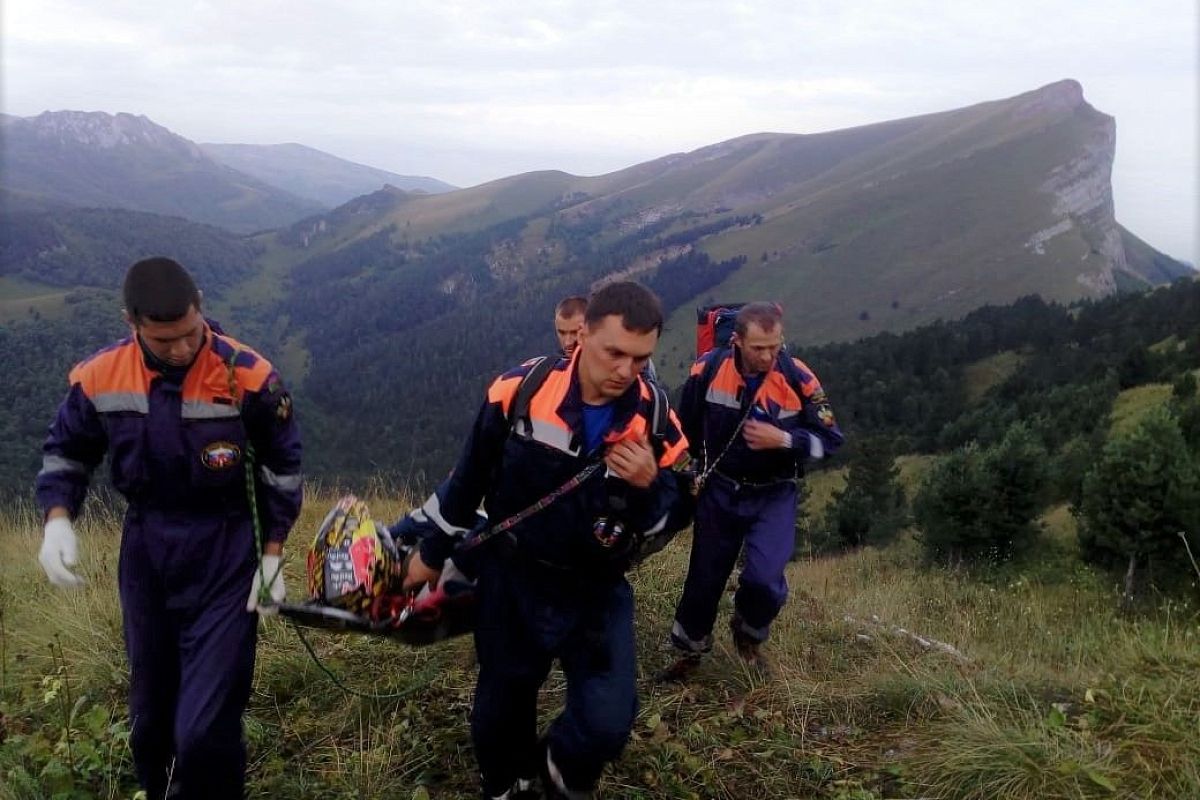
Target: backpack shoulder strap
660 413
791 374
533 380
711 367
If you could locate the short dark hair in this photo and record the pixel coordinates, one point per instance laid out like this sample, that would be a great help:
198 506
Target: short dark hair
159 289
764 315
638 307
570 306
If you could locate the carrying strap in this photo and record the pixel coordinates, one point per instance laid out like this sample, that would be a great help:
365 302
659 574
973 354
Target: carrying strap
264 585
710 466
501 527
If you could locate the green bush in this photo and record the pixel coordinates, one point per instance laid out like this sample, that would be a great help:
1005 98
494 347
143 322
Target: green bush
872 508
1138 498
981 504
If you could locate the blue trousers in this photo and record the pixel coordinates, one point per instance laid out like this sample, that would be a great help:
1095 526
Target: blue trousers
183 584
728 517
525 622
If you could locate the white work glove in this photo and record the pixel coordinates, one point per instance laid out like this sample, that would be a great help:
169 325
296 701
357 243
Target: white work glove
60 551
272 568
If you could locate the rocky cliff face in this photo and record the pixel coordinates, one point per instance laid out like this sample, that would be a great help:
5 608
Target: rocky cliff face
98 130
1082 198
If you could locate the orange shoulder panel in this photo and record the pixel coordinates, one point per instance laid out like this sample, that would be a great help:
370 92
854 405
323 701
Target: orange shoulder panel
549 396
254 376
673 452
504 390
117 369
208 379
727 378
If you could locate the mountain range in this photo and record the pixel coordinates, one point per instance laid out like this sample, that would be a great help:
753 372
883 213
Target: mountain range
389 313
882 227
76 159
98 160
314 175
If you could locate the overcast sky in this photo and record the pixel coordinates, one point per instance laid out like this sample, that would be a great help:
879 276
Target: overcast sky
471 91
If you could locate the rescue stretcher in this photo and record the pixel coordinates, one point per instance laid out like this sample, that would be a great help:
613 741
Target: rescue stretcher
354 568
414 619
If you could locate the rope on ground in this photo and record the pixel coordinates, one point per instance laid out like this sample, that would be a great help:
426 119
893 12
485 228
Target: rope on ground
422 679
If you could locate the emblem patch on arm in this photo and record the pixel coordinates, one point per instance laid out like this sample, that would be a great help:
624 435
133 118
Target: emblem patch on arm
279 396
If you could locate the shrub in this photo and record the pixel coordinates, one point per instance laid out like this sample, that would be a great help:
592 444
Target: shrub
1143 491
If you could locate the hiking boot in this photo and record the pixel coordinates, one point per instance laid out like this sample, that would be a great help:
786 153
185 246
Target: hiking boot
751 653
679 670
749 650
553 787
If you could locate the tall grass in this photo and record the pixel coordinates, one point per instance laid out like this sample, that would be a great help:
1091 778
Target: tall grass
1058 695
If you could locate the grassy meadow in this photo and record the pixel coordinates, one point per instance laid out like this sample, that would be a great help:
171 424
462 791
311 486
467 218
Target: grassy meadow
1049 692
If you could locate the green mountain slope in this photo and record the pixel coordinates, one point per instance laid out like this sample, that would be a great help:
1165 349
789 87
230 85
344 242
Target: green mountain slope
314 175
877 228
77 158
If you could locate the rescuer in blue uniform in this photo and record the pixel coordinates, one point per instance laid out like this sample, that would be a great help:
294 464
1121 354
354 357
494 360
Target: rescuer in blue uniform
753 415
183 413
555 588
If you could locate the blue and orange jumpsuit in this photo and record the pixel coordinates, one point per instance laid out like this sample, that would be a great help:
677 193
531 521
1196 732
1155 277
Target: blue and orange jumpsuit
554 589
749 497
177 442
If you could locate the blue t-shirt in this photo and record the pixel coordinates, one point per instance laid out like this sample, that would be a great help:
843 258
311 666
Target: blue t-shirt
597 420
753 383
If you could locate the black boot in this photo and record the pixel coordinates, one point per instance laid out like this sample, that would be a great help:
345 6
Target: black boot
553 789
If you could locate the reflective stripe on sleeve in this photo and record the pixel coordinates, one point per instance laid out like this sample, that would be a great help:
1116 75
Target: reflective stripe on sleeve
284 483
433 510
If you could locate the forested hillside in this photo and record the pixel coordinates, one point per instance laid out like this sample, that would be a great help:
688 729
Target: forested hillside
94 247
418 383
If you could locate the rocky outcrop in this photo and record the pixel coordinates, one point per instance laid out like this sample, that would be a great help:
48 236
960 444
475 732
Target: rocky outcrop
98 130
1082 198
99 160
